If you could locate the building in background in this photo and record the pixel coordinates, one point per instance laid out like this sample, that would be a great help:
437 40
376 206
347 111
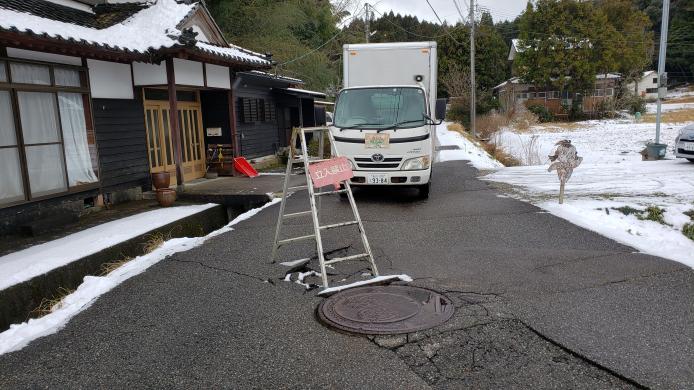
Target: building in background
646 87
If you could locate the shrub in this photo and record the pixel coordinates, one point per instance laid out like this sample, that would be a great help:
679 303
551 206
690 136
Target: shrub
490 123
688 230
631 103
543 114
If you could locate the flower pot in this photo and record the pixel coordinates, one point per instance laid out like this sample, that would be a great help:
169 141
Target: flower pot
166 197
656 151
161 180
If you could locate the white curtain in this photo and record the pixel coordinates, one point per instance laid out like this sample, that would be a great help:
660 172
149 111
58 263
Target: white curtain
11 188
46 169
7 133
45 163
39 117
77 156
66 77
30 74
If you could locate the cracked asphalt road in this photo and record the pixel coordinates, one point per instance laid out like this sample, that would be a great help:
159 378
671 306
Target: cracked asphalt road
540 303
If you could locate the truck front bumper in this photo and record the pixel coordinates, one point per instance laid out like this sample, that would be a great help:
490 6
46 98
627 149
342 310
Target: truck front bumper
398 178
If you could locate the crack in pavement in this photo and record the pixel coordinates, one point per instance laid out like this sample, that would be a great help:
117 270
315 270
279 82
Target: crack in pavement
269 280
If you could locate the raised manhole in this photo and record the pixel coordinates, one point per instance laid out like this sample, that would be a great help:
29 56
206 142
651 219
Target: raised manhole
385 309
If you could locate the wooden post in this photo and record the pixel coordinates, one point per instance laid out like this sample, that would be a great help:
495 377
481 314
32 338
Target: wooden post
232 120
561 192
173 121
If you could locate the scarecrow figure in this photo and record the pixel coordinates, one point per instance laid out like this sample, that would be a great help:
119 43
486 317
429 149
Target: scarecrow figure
564 160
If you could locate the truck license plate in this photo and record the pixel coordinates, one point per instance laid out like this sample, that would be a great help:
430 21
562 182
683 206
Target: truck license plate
688 146
377 179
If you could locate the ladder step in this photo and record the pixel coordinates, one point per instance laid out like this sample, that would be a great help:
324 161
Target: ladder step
294 215
293 239
330 192
296 188
311 160
341 224
346 258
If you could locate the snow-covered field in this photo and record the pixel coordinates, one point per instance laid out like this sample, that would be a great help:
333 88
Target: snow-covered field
611 177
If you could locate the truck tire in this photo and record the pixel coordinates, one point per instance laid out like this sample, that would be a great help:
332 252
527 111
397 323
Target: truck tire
424 191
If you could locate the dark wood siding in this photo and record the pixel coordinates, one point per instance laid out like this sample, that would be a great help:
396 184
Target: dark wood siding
257 137
122 143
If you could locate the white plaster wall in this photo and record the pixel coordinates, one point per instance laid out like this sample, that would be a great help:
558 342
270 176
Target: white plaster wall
149 74
217 76
41 56
188 72
110 80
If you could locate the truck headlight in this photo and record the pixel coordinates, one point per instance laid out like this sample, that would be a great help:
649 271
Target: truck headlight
416 164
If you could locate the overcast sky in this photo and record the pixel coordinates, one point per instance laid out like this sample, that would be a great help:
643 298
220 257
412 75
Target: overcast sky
500 9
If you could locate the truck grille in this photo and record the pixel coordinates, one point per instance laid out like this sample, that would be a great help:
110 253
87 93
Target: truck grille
387 163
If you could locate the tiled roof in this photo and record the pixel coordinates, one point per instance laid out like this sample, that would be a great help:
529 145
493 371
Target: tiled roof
103 15
133 28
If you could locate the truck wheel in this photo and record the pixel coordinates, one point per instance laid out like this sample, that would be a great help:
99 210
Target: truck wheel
424 191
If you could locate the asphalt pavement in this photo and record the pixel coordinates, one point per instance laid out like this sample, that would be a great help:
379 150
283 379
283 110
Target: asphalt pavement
540 303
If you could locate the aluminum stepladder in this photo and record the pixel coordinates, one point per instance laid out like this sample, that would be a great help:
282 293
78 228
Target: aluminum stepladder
305 159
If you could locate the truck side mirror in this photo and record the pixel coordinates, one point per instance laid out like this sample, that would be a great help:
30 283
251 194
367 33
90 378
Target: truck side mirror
441 109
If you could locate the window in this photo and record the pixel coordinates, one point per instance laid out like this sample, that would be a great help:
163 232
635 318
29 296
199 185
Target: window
47 141
554 94
257 110
609 92
651 90
521 95
531 95
599 92
655 80
541 95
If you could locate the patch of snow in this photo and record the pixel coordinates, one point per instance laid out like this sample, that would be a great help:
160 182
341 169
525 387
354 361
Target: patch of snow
293 263
20 335
665 107
23 265
377 279
468 150
612 175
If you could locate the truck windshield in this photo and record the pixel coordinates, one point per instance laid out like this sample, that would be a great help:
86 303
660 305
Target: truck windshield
380 108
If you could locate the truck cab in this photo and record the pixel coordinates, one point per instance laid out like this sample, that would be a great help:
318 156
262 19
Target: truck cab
387 129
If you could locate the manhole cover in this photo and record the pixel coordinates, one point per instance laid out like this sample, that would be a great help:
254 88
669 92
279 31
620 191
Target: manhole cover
385 309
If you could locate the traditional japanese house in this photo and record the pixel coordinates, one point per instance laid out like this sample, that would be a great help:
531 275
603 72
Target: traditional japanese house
97 94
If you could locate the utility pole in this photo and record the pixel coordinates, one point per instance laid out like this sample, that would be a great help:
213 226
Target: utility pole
662 76
473 110
366 22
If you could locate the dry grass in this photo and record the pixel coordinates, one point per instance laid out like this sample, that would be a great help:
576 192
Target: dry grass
47 305
457 127
683 99
500 154
490 123
154 241
107 268
677 116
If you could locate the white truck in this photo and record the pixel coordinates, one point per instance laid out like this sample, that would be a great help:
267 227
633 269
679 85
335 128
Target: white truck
385 117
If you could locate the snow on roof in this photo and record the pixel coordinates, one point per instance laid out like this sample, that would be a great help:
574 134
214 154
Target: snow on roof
648 73
277 76
608 76
512 80
297 90
150 29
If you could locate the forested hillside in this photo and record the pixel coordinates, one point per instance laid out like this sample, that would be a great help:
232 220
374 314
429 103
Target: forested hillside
306 37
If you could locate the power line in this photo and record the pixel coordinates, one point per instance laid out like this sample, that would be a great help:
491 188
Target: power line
342 30
440 21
